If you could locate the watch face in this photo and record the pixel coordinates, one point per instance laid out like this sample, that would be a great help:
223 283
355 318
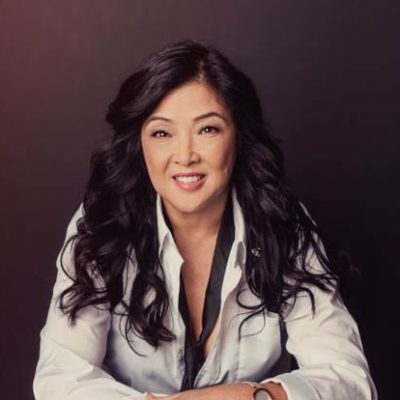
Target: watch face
261 394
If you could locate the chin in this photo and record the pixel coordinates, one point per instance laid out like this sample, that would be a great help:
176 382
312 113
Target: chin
192 202
187 207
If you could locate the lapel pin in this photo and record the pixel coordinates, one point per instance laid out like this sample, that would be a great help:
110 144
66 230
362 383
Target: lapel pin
256 251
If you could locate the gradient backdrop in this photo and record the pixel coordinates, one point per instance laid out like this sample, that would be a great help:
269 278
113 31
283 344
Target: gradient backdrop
327 73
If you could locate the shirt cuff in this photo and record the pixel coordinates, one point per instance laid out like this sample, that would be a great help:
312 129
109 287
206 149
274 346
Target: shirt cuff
295 387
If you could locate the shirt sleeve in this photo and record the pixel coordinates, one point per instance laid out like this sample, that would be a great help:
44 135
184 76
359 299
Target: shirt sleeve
327 348
71 356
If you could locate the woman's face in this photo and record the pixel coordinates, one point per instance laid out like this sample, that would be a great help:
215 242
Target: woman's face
189 148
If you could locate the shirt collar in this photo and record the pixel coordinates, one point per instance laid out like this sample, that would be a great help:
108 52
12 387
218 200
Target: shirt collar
239 244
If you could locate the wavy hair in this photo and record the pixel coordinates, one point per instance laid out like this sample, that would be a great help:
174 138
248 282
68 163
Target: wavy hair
119 212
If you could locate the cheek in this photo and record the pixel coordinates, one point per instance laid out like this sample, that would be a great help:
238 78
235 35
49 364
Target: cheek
225 157
155 161
152 157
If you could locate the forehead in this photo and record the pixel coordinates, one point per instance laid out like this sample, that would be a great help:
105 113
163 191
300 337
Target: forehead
189 100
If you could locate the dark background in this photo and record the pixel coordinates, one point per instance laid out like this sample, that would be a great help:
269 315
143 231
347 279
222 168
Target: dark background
326 71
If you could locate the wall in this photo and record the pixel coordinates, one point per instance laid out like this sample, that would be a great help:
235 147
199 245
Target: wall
327 73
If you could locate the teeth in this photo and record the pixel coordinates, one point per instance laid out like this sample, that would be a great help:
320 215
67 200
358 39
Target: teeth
188 179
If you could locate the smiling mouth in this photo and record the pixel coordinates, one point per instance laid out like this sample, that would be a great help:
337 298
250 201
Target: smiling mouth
189 182
189 179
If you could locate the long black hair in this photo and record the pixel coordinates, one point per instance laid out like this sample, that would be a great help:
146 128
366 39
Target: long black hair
119 213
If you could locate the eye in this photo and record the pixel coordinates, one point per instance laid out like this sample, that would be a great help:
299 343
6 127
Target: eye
159 134
210 129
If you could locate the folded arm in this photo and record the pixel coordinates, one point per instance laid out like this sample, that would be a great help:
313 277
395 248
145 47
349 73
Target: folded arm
328 349
71 356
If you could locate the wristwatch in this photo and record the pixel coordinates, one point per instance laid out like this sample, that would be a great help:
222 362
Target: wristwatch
260 393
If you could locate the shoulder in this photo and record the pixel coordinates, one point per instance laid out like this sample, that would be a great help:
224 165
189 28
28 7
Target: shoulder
73 222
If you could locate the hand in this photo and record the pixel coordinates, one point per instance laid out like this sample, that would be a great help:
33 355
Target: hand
232 391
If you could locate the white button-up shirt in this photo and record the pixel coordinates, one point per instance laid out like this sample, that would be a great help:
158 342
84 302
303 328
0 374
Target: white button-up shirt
92 360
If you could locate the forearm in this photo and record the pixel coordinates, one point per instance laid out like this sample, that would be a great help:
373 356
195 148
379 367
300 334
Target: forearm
231 391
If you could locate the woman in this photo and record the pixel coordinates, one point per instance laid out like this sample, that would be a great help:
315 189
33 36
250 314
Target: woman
191 271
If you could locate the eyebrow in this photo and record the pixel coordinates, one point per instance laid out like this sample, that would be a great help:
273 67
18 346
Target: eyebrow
198 118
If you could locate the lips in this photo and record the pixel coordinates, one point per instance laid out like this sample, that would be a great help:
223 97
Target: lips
189 181
188 174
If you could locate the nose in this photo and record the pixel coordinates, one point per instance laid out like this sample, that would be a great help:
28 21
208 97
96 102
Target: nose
185 153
